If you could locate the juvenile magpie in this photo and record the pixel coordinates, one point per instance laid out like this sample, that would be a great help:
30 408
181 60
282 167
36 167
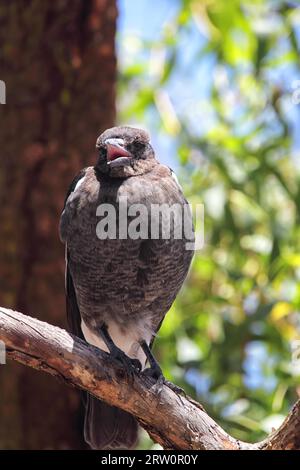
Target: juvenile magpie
119 288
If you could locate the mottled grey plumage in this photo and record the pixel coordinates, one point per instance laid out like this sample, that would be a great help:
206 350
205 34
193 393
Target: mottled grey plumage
127 284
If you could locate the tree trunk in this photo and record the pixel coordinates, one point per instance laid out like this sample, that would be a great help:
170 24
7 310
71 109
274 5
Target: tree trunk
57 60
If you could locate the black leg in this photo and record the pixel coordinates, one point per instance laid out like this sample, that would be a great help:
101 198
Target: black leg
129 364
156 372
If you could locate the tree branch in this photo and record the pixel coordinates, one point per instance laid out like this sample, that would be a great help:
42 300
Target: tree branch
174 421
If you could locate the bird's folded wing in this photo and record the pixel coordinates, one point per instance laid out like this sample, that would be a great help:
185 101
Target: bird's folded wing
73 314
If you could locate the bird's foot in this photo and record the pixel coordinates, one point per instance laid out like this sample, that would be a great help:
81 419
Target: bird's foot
131 366
155 373
178 390
175 388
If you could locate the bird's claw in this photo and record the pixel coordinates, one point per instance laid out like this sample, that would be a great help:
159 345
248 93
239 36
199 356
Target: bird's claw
175 388
136 364
156 373
178 390
153 372
131 366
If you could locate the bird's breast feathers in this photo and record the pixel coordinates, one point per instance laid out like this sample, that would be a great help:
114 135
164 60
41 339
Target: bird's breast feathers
159 186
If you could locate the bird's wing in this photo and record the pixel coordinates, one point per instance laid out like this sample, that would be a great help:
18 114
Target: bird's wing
73 313
160 253
67 212
166 286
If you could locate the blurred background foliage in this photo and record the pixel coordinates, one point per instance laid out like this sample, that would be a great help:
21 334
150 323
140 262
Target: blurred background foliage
216 83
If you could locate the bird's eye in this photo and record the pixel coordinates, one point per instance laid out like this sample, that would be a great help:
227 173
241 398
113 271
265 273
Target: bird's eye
139 146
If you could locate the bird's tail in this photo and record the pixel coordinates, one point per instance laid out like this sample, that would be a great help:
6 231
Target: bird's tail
108 427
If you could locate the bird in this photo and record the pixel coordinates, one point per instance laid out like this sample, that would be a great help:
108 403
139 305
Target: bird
119 289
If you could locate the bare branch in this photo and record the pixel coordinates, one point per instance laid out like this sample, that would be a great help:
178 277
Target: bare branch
174 421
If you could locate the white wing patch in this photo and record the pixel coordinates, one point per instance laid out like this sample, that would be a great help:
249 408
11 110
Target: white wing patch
175 178
79 183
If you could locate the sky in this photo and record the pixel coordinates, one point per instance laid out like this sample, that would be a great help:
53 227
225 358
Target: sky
140 17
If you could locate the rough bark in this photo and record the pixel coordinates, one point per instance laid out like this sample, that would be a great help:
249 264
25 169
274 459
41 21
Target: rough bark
58 62
172 420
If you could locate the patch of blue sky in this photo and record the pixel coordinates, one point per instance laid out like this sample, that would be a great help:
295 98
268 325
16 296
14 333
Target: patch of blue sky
255 364
200 381
145 18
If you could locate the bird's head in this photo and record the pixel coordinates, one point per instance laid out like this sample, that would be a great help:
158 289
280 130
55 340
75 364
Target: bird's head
124 151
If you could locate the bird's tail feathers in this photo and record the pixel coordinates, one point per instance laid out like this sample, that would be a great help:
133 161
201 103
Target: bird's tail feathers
108 427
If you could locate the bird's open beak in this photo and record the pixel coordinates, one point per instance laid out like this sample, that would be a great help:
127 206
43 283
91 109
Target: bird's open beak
116 149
